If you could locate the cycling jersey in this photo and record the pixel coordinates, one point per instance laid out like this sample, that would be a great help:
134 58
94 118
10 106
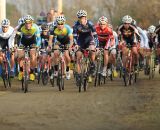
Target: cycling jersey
144 38
31 36
5 38
151 38
128 35
63 35
85 35
105 36
115 37
157 31
44 40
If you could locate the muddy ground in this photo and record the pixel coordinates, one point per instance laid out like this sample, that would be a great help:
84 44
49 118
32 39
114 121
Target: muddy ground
109 107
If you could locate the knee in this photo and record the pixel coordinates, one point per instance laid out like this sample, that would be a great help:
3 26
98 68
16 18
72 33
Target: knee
92 47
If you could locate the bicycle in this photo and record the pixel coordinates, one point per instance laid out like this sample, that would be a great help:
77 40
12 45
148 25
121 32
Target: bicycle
129 74
43 69
82 78
99 79
61 68
26 69
6 68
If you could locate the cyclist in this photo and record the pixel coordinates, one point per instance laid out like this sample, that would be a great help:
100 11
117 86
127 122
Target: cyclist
143 42
5 41
127 34
16 34
63 35
113 52
151 42
30 36
151 36
45 33
106 39
85 36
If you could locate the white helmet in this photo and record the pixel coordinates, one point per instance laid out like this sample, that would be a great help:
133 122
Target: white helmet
110 25
81 13
103 19
5 22
21 21
60 19
151 29
127 19
134 22
28 18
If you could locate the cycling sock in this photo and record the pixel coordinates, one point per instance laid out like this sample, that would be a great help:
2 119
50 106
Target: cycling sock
12 69
56 67
67 68
104 68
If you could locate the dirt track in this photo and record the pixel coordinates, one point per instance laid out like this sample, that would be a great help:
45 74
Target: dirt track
110 107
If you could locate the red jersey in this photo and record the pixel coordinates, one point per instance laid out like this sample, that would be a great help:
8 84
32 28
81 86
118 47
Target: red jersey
105 35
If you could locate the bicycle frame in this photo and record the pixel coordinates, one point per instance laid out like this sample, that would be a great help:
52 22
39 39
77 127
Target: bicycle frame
6 68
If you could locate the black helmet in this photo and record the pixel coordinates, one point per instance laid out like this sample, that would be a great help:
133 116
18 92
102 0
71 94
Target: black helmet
45 27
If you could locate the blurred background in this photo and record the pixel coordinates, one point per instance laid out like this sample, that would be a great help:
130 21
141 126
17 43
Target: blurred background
146 12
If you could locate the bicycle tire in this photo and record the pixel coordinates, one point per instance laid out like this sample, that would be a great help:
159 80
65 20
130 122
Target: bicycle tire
80 83
45 78
126 79
25 83
39 77
85 83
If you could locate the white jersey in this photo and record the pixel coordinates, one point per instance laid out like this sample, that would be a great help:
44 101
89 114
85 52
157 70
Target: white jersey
144 38
12 38
116 38
7 35
147 43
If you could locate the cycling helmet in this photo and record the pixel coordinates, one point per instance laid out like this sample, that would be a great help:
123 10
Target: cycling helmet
110 25
103 19
21 21
5 22
134 22
127 19
28 19
60 19
151 29
45 27
81 13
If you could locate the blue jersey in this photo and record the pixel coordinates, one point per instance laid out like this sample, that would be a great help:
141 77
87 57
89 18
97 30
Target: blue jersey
84 34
